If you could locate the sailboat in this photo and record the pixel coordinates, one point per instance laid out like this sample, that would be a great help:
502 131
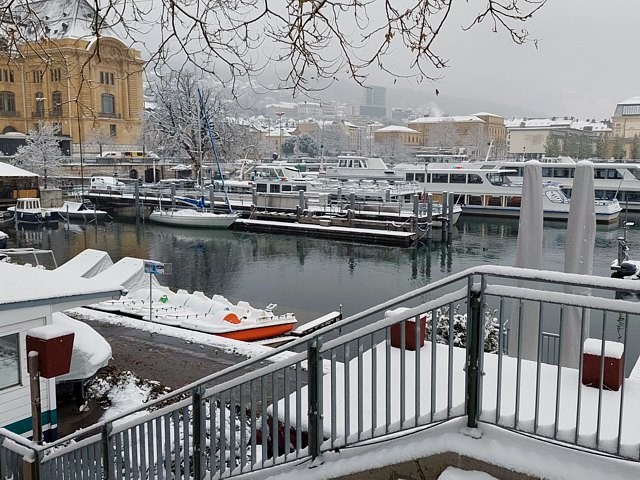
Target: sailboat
199 217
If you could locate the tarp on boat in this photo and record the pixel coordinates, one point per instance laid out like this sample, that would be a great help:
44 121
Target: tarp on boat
128 272
87 264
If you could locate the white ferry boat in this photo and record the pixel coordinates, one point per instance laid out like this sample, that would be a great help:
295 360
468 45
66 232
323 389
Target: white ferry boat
490 191
612 180
352 166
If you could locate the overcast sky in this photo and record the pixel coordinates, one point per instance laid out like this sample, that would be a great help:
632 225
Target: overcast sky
586 61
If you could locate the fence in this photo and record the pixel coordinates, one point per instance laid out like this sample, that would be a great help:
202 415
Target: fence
364 378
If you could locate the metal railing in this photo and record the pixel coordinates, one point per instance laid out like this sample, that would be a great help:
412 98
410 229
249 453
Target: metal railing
363 378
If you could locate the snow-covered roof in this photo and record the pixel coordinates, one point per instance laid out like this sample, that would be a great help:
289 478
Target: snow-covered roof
452 119
397 129
30 286
7 170
631 101
557 122
57 19
486 114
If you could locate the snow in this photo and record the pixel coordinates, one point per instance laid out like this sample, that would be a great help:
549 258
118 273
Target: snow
127 393
34 284
7 170
87 263
48 332
630 101
455 119
593 346
452 473
91 351
128 272
397 128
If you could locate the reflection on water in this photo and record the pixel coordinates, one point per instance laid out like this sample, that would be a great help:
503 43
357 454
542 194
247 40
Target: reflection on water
305 275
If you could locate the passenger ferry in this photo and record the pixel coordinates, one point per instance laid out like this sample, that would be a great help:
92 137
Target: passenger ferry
612 180
353 166
490 191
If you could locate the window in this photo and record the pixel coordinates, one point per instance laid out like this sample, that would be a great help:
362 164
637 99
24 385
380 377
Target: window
56 107
458 178
7 103
38 76
473 178
107 78
6 75
439 178
39 105
55 75
9 360
112 130
108 104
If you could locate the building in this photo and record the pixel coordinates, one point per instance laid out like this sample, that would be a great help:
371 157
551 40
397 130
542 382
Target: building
309 109
374 102
401 135
496 131
626 123
86 87
469 132
529 137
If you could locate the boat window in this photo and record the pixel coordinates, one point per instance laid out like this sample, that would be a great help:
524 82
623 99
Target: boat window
614 174
474 200
514 201
359 164
498 179
439 178
286 188
298 188
420 177
494 201
635 171
547 172
473 178
261 187
561 173
600 173
408 177
274 188
9 360
458 178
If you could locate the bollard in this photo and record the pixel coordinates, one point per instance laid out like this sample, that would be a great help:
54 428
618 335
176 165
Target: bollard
416 204
429 216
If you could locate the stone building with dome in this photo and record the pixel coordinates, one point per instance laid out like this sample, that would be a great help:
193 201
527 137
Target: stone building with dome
53 68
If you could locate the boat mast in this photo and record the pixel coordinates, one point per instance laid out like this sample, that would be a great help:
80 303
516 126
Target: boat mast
207 124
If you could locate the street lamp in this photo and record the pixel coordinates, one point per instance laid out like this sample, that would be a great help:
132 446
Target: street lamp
280 114
370 125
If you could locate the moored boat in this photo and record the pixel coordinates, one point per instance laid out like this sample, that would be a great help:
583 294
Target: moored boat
76 211
187 217
30 210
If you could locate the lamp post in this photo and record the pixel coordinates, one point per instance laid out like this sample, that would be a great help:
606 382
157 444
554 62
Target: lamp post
280 114
370 125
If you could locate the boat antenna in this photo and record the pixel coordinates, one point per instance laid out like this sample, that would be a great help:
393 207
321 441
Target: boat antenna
486 157
207 125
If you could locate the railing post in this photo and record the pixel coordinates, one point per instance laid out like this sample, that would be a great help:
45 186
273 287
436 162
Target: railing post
199 417
107 451
315 398
474 328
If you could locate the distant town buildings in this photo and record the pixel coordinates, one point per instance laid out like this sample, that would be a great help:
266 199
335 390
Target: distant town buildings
374 102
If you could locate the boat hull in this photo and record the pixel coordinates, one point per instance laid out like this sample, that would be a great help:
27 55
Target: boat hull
602 217
257 333
202 220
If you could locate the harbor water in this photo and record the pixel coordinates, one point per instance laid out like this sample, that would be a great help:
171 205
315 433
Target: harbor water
308 276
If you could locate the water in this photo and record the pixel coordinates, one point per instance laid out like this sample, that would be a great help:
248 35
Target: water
308 276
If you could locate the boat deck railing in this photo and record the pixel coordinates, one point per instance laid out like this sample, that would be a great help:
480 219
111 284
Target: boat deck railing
363 378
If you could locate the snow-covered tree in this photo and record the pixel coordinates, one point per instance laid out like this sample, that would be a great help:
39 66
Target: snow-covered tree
307 145
42 153
100 137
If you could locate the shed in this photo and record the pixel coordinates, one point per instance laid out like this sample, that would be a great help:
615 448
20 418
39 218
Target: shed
16 183
29 298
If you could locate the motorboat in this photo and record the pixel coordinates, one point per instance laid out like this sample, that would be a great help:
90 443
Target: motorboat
77 211
490 191
29 210
187 217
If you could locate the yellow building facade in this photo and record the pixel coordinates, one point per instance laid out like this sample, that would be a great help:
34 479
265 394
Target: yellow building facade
91 89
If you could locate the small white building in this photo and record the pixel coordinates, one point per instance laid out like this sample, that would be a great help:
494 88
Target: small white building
29 298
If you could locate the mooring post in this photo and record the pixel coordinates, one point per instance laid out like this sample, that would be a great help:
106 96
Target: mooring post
443 214
136 196
416 204
212 191
300 202
315 398
254 196
450 217
352 200
173 195
387 195
474 328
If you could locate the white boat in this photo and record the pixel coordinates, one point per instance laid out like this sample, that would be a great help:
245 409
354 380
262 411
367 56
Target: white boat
489 191
187 217
77 211
612 180
352 166
29 210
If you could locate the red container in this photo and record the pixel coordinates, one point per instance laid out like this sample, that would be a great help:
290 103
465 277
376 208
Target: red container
54 354
613 374
409 333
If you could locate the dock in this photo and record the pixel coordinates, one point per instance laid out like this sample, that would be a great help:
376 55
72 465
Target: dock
373 236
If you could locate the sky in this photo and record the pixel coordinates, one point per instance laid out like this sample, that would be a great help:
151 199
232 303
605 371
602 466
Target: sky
585 62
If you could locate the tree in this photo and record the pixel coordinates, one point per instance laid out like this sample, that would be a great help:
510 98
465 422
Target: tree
443 135
101 137
618 148
635 147
42 153
570 146
307 144
391 150
552 146
601 148
585 147
289 145
223 38
174 125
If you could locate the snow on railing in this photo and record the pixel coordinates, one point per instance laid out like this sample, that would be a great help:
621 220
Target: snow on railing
384 370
